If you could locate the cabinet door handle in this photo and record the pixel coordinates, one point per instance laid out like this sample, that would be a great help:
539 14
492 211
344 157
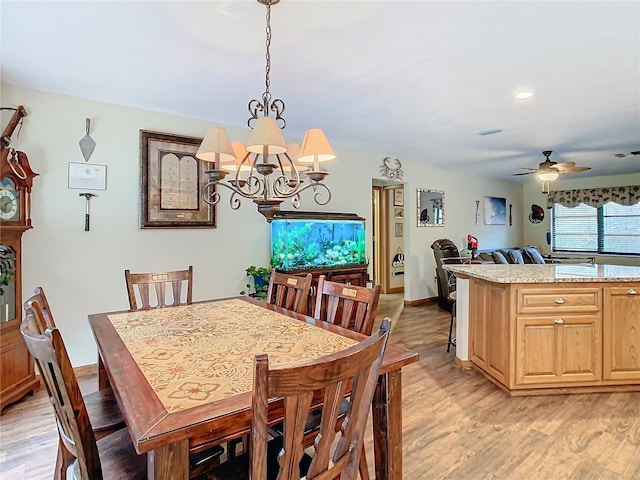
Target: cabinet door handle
560 300
559 321
632 291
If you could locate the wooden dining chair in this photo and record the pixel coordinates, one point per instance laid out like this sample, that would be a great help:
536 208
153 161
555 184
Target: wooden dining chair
101 405
349 306
289 291
81 455
170 289
175 286
352 374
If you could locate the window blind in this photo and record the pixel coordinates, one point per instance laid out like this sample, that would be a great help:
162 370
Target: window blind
611 228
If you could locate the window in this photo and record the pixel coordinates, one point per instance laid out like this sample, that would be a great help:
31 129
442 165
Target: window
611 228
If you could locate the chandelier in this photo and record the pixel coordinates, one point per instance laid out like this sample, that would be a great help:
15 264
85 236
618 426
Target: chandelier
266 169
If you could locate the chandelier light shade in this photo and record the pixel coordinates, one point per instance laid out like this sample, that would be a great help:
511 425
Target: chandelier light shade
240 153
266 170
315 148
216 147
266 134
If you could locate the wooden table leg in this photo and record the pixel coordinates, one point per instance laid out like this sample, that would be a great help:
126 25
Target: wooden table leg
103 381
170 462
387 426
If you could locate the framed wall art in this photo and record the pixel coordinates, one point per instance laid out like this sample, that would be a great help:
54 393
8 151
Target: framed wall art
495 211
398 197
87 176
171 183
430 207
399 230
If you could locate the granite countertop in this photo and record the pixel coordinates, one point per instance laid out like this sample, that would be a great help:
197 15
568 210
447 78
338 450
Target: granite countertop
549 273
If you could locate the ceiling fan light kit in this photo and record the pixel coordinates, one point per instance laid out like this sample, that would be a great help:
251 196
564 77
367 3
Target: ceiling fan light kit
547 176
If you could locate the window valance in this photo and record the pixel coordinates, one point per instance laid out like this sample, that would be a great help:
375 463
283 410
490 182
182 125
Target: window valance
595 197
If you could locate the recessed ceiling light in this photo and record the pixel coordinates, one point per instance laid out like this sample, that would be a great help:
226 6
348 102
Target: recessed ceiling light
523 95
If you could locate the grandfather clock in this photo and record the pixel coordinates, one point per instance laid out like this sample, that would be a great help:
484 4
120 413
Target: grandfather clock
17 375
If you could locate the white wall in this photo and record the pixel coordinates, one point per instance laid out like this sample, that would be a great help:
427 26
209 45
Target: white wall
82 272
536 234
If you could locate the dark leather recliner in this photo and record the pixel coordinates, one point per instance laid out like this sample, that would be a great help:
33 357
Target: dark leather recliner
444 248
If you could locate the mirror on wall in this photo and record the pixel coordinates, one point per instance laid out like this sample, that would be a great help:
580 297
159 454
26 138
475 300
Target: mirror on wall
430 208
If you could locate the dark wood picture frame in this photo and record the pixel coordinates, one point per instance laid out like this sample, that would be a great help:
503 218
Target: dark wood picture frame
398 197
172 180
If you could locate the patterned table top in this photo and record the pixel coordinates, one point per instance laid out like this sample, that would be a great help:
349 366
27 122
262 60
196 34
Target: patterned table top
200 353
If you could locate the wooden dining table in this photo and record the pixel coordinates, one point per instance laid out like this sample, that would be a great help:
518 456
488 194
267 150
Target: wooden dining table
183 375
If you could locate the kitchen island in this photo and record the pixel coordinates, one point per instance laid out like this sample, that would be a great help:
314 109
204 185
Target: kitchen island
543 329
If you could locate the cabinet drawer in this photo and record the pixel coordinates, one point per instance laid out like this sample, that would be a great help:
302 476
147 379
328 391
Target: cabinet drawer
632 291
570 300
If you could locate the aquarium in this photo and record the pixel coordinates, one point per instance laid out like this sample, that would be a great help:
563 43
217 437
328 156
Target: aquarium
309 240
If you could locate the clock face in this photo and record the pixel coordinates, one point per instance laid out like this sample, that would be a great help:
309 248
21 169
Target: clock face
9 200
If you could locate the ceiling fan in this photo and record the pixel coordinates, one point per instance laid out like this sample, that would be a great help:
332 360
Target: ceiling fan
549 166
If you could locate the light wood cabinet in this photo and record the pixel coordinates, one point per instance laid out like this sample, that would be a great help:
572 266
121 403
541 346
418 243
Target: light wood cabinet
558 349
558 335
489 338
536 338
621 344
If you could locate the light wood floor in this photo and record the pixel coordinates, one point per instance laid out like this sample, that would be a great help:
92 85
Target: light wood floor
457 425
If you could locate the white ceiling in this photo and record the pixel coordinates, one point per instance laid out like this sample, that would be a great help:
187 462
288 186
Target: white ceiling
407 79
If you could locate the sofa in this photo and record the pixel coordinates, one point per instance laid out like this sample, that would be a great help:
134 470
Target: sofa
520 255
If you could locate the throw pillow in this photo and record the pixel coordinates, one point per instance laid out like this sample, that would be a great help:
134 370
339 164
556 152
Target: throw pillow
533 254
515 256
499 257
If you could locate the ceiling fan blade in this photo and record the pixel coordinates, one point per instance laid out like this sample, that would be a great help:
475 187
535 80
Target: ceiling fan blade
566 164
570 167
524 173
576 169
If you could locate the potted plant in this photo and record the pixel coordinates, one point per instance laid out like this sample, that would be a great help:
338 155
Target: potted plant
7 266
260 276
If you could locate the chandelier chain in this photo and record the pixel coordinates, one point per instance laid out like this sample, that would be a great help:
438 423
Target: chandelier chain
267 43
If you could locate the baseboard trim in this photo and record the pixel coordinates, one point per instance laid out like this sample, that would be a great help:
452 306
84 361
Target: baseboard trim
421 302
464 364
84 370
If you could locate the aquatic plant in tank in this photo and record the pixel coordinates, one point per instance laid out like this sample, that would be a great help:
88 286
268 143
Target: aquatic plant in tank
308 240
